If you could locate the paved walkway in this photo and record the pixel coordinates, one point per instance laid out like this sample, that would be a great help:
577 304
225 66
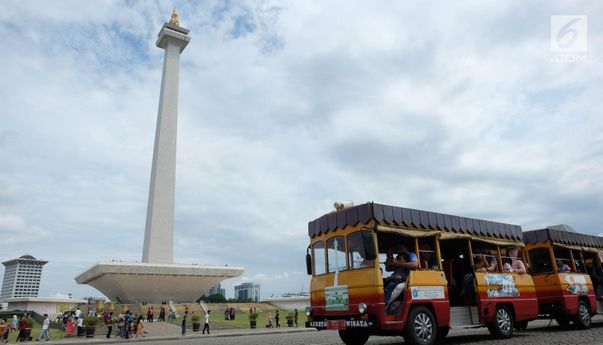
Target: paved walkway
155 335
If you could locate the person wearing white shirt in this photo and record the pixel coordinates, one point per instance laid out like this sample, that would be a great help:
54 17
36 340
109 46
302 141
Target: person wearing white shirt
45 326
206 327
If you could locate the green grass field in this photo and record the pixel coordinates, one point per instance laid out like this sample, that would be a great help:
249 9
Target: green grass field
217 321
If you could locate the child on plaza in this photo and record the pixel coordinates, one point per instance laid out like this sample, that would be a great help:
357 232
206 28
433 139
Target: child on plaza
183 326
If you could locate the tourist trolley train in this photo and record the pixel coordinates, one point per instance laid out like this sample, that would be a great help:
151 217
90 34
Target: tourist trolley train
566 268
468 274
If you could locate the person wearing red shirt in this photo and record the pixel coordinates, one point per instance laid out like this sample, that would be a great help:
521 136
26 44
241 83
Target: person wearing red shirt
24 329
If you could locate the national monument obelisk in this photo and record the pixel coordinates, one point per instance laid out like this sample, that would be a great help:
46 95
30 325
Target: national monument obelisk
157 278
159 231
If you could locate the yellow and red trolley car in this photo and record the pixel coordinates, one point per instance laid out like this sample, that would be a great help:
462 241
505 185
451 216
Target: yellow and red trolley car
348 260
566 268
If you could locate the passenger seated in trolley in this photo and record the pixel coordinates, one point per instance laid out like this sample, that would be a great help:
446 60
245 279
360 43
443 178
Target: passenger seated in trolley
513 264
401 266
562 267
483 262
428 257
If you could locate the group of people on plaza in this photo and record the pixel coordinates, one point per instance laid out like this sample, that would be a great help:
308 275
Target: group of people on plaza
151 314
269 319
277 319
129 325
229 313
185 319
126 324
23 326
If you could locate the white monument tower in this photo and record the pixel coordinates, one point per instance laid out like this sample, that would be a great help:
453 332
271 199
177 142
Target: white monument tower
157 278
159 231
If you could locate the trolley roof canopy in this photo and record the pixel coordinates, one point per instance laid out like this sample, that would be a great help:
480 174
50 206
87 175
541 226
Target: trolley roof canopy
562 234
411 218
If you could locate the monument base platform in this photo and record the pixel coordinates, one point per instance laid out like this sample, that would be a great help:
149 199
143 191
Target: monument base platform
126 282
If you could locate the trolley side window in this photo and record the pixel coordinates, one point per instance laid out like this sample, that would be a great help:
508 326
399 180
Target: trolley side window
357 250
485 257
541 261
427 253
336 254
563 259
318 253
577 255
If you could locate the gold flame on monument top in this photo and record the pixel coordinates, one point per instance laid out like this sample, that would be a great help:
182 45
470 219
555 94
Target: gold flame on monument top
174 20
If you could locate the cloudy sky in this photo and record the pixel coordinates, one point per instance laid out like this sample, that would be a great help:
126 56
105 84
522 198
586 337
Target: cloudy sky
286 107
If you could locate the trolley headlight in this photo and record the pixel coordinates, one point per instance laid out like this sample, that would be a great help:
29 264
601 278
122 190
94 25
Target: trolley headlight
362 308
308 311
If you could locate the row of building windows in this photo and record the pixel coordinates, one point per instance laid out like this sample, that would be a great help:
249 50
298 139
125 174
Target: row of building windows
22 278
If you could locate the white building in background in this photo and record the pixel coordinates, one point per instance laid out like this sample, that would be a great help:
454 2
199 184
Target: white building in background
22 277
248 291
44 305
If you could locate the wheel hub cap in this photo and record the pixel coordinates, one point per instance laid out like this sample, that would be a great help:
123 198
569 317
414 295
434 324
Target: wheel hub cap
584 314
423 327
504 321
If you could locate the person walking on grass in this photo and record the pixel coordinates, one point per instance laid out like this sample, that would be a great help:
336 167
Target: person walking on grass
45 326
24 328
206 327
277 319
3 331
295 317
14 323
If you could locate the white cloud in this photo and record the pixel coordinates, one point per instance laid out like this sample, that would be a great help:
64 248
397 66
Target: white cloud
11 223
15 231
285 108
